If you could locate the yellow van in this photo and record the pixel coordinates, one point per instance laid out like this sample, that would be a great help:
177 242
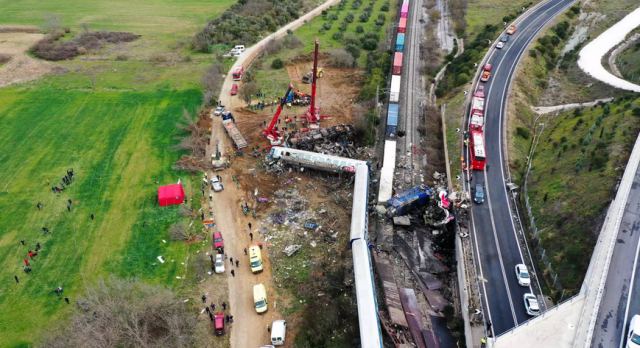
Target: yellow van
255 259
260 298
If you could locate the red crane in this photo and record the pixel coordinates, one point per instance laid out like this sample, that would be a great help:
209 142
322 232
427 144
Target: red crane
271 132
313 114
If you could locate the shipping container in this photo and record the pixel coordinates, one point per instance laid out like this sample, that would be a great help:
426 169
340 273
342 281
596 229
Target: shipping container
397 63
404 10
402 25
394 95
392 120
400 43
387 171
392 114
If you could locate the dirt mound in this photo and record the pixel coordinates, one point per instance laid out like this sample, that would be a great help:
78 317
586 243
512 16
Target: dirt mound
17 66
52 48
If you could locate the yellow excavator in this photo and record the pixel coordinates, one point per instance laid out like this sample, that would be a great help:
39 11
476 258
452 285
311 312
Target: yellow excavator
307 77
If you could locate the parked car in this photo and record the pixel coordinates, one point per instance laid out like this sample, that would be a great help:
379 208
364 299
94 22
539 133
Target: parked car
216 184
218 323
219 264
512 29
260 298
523 275
278 332
255 259
478 195
500 44
218 242
504 38
633 337
531 304
234 89
218 111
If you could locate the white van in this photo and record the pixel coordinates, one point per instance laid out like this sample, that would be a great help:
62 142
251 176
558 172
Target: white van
278 332
255 259
260 298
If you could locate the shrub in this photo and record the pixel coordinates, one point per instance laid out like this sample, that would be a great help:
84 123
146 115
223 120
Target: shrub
340 58
337 36
523 132
359 29
369 44
385 7
277 64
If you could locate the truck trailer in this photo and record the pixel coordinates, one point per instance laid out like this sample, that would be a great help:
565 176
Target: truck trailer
401 203
234 133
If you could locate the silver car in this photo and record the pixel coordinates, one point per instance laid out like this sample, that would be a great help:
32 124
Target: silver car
216 185
523 275
531 304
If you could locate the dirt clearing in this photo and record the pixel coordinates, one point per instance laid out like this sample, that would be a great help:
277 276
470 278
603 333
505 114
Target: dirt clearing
19 67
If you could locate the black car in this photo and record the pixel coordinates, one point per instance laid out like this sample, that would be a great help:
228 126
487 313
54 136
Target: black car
504 38
478 195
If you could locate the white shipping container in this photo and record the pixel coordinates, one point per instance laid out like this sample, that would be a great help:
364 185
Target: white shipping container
394 95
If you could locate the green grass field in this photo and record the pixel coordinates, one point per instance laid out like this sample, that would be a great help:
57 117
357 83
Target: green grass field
483 12
114 122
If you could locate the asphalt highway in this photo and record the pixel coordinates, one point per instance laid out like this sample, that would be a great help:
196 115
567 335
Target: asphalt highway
497 245
621 299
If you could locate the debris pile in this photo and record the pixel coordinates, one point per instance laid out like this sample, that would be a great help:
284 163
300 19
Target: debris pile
310 139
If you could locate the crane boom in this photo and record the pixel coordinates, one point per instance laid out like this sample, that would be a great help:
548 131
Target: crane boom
313 112
270 132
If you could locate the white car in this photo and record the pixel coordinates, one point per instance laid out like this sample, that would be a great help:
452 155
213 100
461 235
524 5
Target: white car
219 264
531 304
216 184
523 275
633 338
219 110
500 44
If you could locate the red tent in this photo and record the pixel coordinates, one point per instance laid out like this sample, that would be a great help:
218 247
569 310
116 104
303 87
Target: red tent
170 195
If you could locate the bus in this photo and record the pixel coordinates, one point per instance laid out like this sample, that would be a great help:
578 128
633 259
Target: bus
477 150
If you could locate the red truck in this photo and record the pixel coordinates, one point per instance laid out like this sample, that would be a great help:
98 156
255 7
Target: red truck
486 73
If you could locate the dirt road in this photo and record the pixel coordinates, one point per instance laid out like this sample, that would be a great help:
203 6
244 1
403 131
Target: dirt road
249 329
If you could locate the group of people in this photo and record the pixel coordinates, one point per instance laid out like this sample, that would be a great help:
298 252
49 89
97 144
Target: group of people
66 181
210 309
31 253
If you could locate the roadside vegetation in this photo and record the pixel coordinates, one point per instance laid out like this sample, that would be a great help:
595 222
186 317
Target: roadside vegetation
477 22
578 159
579 154
111 116
627 62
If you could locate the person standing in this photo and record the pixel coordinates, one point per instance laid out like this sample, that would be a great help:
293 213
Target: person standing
224 306
204 298
245 251
251 236
233 274
237 263
17 279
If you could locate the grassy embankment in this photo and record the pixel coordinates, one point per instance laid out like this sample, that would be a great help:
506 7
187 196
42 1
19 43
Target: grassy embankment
628 63
482 20
580 154
113 121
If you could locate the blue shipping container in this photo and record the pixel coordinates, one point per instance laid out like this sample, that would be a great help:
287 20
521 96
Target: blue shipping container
392 115
391 131
400 42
